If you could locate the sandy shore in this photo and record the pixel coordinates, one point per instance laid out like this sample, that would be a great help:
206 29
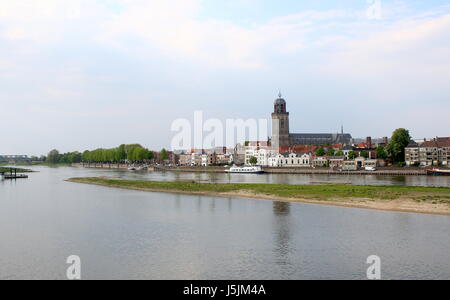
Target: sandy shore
401 204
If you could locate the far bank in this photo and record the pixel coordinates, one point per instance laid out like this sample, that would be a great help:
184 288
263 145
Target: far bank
391 171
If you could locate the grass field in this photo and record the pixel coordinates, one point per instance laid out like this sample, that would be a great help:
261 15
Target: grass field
432 195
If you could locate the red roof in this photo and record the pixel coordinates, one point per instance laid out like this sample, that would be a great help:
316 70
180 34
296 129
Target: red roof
298 149
362 146
437 143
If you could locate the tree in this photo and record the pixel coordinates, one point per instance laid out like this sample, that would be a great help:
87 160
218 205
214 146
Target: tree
381 152
364 154
163 155
351 155
396 147
53 157
253 160
132 153
331 152
320 152
340 153
121 153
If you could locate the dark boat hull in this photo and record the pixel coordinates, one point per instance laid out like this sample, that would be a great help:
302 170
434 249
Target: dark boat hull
437 173
256 172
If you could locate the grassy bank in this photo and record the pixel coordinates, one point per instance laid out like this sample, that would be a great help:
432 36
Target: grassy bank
19 170
415 199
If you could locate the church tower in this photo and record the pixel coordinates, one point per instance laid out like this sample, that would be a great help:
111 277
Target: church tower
280 124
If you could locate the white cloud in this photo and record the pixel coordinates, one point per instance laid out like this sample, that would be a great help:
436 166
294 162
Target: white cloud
164 56
408 59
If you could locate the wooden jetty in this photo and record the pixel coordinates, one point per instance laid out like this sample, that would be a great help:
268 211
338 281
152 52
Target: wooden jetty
12 175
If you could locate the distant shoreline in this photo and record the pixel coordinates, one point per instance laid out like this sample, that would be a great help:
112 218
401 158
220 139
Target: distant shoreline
425 200
18 170
385 171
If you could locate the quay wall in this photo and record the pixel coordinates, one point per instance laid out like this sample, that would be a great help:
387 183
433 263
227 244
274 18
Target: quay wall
270 170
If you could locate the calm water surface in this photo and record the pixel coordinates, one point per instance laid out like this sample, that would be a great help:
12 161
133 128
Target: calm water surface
122 234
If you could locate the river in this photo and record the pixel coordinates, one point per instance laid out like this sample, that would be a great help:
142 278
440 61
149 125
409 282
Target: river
122 234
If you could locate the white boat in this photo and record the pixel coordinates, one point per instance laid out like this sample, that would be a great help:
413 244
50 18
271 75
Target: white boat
246 170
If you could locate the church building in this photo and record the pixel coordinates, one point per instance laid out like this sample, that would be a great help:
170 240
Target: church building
281 136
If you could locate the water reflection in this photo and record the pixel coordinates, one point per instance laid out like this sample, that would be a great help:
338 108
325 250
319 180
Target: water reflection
281 213
199 204
178 201
136 235
281 208
277 178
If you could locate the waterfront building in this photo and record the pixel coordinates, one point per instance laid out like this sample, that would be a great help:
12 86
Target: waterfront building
291 160
349 165
185 159
359 163
262 154
320 161
224 159
428 153
336 161
281 136
208 159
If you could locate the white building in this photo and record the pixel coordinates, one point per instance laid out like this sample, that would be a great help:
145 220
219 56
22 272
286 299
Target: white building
291 160
262 154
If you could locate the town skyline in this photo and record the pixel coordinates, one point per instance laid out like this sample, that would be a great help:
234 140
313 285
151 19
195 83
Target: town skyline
106 73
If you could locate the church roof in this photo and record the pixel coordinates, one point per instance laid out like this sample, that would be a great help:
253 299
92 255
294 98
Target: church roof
319 135
280 99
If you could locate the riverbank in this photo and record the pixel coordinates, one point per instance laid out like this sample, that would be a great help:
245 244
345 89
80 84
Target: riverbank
428 200
385 171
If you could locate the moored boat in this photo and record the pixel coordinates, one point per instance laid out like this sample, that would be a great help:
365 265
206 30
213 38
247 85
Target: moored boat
438 172
246 170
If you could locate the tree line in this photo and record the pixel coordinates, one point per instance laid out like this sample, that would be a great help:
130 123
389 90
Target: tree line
54 157
124 153
130 153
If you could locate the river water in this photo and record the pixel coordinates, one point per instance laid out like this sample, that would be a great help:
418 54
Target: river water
121 234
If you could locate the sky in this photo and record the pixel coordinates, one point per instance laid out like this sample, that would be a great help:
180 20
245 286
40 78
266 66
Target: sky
85 74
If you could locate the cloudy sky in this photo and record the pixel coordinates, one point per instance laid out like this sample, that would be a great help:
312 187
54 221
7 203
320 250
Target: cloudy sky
82 74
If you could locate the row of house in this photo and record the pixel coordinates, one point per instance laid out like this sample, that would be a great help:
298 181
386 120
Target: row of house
429 152
301 156
208 157
308 160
